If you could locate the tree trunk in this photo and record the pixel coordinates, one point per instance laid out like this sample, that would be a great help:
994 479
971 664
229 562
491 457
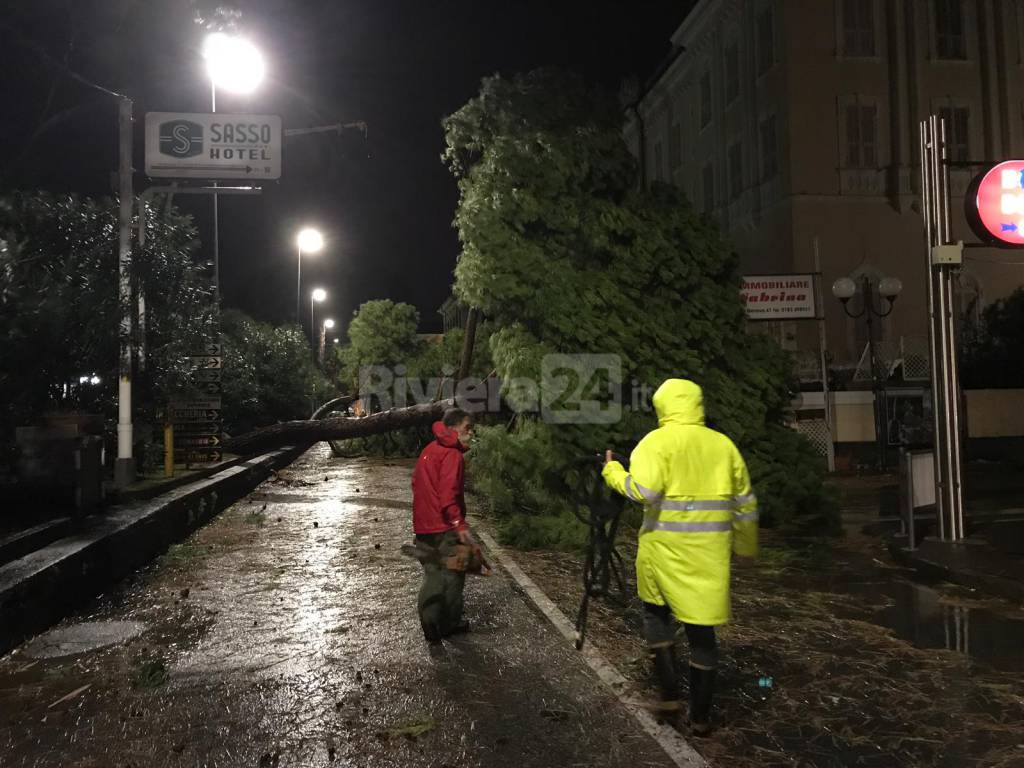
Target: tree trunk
339 428
467 345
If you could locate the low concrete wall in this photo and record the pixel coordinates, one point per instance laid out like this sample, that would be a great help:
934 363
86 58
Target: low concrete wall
990 413
995 412
42 587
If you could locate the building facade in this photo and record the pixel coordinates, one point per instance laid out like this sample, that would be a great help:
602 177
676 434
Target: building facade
794 123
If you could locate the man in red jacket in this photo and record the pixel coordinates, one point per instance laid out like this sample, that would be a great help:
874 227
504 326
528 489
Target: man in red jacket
439 521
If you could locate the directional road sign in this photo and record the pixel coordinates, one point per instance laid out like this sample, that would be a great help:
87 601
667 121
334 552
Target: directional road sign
197 441
205 375
187 145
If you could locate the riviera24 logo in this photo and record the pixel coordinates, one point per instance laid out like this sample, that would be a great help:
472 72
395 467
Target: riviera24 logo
181 138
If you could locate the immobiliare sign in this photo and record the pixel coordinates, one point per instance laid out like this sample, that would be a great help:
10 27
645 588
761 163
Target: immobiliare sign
185 145
778 297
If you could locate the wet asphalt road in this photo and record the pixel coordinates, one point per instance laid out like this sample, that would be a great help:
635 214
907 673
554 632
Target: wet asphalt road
285 634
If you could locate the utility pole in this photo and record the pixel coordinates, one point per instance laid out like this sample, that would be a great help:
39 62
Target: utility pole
124 468
943 257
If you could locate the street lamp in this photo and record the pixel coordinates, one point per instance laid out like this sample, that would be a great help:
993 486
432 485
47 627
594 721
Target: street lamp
233 63
236 65
316 296
327 325
844 289
309 240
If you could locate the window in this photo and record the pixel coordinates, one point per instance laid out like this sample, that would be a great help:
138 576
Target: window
735 170
705 99
957 132
675 146
732 72
769 149
708 182
950 42
861 136
659 173
858 28
765 40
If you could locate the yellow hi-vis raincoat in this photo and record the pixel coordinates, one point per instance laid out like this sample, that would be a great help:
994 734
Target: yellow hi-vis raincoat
698 508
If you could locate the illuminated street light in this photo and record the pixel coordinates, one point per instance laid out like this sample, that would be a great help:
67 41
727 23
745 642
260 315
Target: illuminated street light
316 296
309 240
233 63
327 325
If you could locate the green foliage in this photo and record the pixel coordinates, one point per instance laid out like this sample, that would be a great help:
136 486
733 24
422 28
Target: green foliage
564 252
269 374
382 333
992 352
60 311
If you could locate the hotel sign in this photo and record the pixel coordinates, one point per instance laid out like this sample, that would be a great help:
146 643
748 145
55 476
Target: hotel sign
184 145
778 297
995 204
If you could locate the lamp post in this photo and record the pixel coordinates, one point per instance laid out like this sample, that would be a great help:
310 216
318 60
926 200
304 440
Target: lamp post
236 65
844 289
316 296
309 240
328 324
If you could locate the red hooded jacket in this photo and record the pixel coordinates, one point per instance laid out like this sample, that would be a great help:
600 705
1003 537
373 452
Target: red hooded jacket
438 504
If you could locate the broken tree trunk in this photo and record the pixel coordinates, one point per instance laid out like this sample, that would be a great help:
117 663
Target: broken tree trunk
338 428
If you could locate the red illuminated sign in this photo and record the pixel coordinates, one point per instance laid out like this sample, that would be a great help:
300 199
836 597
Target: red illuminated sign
995 203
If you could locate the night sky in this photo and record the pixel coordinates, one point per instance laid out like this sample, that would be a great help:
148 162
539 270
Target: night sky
385 203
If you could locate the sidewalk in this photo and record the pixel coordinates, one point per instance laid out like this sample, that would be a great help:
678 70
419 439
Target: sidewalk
77 559
284 633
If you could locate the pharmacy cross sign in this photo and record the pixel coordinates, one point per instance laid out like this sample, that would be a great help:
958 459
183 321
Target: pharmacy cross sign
995 204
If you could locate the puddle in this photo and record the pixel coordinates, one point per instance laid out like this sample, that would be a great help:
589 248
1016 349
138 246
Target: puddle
921 616
83 637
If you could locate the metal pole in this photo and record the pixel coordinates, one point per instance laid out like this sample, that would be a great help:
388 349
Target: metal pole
216 219
876 384
948 335
298 292
124 467
822 338
928 151
312 322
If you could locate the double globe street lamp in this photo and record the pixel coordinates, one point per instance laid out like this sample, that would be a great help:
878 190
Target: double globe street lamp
888 288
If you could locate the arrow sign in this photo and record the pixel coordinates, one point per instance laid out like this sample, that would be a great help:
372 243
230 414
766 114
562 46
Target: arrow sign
198 455
205 375
213 348
202 440
206 361
193 415
212 388
188 429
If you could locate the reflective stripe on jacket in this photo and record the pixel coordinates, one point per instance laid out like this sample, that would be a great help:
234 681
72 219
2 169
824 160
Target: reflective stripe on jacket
698 508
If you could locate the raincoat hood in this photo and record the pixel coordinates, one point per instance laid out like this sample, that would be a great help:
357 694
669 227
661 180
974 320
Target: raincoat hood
679 401
447 436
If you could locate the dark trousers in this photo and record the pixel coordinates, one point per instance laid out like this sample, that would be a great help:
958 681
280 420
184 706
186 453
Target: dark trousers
660 631
440 600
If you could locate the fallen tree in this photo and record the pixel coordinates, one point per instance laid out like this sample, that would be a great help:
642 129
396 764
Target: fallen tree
336 428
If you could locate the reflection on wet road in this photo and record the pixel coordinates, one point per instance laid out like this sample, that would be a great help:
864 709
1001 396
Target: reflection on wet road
285 634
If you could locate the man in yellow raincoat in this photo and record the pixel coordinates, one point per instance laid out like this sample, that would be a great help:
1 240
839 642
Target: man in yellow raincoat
698 510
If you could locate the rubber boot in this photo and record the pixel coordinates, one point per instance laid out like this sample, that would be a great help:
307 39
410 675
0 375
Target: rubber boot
666 672
702 688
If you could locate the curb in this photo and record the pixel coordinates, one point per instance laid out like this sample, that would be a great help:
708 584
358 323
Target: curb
675 746
39 589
